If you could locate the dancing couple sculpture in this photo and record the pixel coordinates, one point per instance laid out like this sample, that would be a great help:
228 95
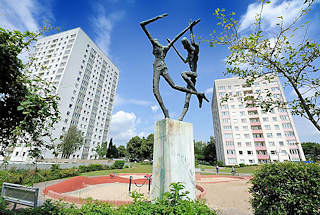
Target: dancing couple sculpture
160 68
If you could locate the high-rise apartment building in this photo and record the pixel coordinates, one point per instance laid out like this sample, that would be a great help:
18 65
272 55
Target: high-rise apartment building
86 82
247 134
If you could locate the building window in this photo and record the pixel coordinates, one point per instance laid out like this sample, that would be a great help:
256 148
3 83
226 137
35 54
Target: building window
269 135
232 160
250 152
271 143
229 143
240 152
289 133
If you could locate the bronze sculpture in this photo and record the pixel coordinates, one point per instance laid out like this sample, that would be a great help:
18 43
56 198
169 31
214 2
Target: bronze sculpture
160 68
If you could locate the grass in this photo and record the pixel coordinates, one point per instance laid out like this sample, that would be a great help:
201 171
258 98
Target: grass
137 168
147 168
246 169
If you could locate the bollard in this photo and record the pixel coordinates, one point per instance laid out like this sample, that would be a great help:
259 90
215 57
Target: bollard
130 180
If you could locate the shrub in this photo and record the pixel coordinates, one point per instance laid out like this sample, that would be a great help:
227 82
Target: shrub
94 167
55 167
96 208
242 165
219 163
118 164
83 169
286 188
173 202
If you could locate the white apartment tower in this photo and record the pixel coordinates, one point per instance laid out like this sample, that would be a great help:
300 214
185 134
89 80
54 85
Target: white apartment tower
247 134
86 82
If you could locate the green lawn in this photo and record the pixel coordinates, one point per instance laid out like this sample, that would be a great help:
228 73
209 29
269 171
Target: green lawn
137 168
147 168
246 169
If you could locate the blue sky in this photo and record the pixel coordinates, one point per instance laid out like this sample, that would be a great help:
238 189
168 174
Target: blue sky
114 26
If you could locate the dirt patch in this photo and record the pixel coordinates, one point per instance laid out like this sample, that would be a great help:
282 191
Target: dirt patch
230 197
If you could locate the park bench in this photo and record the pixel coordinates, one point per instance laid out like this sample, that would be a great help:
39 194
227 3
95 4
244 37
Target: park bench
19 194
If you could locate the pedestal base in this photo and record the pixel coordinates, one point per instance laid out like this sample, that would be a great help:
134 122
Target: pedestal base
173 157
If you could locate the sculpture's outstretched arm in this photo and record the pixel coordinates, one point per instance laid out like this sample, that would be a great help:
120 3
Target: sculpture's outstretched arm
192 36
184 60
144 23
182 32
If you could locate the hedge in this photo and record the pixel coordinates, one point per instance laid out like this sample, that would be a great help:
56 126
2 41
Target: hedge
286 188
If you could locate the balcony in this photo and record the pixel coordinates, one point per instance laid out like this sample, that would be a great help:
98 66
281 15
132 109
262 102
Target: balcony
230 147
287 129
255 123
293 147
252 109
259 148
231 156
263 157
258 139
291 138
259 131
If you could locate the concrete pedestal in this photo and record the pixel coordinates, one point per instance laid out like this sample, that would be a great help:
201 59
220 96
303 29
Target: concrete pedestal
173 157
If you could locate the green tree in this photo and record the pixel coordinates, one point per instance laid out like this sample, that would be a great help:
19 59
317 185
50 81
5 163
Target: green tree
102 149
28 106
147 147
311 151
122 152
199 148
112 151
259 55
210 151
71 141
134 149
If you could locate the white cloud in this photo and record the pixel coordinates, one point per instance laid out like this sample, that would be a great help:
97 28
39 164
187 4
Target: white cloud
103 25
23 15
122 101
123 127
287 9
154 108
209 90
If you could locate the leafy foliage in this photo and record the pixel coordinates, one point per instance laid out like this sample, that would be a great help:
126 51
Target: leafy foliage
311 151
30 177
205 153
139 149
122 152
118 164
173 203
28 106
112 151
71 141
257 55
286 188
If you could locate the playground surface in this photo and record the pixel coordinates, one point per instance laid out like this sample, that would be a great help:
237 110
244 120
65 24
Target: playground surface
228 194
